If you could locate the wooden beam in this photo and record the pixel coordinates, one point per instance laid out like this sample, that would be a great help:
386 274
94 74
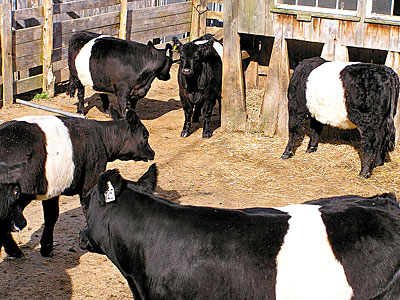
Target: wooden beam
6 54
233 110
123 19
47 46
393 61
199 17
274 110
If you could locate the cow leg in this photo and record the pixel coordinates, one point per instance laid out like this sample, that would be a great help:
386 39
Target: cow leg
51 212
132 102
315 132
188 109
105 101
296 123
124 100
207 119
11 247
71 86
197 113
81 99
370 142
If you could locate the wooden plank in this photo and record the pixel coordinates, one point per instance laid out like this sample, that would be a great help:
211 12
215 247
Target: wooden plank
28 84
233 105
161 11
27 62
215 15
28 48
88 23
82 5
6 54
195 25
161 22
28 13
144 36
123 19
216 1
61 75
47 46
28 34
218 32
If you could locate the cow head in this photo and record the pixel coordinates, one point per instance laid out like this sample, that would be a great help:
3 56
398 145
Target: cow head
101 200
11 216
193 53
165 59
134 143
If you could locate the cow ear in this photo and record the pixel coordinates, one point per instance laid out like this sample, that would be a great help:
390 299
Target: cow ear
115 115
132 119
150 44
11 173
176 43
148 181
110 185
207 48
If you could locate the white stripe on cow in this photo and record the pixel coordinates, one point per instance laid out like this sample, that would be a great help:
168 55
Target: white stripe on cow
307 268
59 166
325 95
82 62
217 46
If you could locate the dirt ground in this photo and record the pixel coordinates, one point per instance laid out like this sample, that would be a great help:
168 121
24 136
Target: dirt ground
232 170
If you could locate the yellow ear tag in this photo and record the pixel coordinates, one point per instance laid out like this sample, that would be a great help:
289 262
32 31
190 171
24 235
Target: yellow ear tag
175 48
109 195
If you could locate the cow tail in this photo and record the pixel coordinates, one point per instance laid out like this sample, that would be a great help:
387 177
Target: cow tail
71 87
390 130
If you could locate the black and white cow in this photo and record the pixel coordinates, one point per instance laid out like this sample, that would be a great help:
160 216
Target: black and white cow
346 95
63 156
111 65
199 79
337 248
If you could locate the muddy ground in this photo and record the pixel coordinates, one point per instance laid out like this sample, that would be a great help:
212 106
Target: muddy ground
232 170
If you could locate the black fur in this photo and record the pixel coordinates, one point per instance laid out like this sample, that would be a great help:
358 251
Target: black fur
200 79
371 95
94 144
124 68
171 251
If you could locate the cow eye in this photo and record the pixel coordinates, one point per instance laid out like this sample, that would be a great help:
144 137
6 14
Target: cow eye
16 192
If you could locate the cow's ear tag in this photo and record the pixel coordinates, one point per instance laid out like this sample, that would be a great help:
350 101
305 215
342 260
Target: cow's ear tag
109 195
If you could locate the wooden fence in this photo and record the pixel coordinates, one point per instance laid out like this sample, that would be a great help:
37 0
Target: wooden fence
34 41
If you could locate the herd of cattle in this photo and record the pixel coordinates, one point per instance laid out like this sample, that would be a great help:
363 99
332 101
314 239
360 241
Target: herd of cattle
340 248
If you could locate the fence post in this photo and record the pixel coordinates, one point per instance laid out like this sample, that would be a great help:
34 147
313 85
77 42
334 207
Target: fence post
123 19
6 54
47 48
233 98
199 17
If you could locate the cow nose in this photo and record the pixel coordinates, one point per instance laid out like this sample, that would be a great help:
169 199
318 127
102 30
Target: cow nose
186 71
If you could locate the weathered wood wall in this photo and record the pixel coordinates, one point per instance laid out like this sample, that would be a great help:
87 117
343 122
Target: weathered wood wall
31 62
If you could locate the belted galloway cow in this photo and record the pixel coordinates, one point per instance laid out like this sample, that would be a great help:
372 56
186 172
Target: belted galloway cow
346 95
111 65
43 157
340 248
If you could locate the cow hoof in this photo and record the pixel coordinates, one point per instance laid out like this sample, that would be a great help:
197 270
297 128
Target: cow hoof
207 135
17 253
311 149
365 175
286 155
184 133
46 251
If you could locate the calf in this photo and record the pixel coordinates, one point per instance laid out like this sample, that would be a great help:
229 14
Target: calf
345 95
63 156
337 248
199 79
111 65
